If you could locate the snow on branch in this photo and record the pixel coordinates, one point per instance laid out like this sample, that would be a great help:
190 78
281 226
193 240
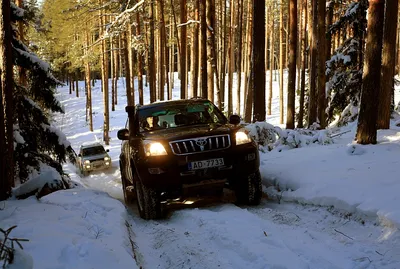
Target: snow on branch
121 20
17 12
188 22
30 60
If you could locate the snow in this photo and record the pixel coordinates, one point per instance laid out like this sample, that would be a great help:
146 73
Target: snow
71 229
348 176
47 175
337 206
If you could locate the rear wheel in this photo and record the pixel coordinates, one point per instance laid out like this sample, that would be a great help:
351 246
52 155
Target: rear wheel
148 201
249 190
129 196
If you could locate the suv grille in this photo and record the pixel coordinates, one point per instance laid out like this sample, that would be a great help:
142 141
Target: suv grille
97 160
200 144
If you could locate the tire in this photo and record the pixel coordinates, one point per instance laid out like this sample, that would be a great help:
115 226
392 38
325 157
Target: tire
129 196
84 173
249 190
148 202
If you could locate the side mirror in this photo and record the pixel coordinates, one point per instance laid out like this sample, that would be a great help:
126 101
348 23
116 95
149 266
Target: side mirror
130 110
79 155
234 119
107 150
123 134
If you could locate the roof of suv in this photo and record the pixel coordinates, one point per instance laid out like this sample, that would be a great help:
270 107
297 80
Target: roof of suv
91 144
172 102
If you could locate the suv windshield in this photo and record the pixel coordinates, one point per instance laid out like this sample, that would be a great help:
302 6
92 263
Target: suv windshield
93 151
179 115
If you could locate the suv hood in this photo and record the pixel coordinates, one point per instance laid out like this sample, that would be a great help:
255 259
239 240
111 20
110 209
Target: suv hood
190 131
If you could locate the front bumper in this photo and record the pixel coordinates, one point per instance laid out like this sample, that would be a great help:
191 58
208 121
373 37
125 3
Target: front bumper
97 165
171 173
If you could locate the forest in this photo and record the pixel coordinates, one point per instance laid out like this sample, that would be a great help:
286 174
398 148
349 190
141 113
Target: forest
337 59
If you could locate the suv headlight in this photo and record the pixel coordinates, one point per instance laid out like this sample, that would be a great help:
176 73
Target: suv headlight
86 162
107 158
154 149
242 137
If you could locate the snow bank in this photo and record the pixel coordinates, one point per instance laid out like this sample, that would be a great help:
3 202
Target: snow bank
344 175
68 229
273 138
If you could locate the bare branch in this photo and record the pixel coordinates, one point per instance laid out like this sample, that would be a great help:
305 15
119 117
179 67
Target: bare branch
343 234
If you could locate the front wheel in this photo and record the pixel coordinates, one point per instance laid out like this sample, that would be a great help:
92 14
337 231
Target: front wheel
249 190
148 201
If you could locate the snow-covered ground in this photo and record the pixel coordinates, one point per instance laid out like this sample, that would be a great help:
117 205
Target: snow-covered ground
338 209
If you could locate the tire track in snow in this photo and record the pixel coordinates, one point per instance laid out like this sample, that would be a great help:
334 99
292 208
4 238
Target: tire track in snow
267 236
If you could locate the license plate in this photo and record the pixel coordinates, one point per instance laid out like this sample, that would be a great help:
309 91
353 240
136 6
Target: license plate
206 164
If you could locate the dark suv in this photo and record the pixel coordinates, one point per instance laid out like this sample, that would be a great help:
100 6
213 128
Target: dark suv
178 149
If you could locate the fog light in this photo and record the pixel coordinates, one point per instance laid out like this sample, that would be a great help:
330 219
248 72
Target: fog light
251 157
107 163
155 171
87 166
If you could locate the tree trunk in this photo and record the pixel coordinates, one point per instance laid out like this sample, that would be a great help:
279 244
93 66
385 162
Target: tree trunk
248 74
140 62
281 55
112 74
231 59
203 49
321 63
161 51
151 58
303 51
104 69
6 103
388 64
210 70
171 62
239 56
71 83
195 52
88 84
312 103
127 71
292 65
182 54
398 50
367 129
329 36
77 82
224 53
272 61
131 53
116 71
258 66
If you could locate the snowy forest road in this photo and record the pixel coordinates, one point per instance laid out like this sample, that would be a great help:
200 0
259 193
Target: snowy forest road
271 235
267 236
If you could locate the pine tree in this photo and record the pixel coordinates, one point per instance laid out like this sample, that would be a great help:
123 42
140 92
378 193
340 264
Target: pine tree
344 68
37 142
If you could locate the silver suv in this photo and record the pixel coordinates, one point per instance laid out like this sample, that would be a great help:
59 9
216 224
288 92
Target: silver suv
93 157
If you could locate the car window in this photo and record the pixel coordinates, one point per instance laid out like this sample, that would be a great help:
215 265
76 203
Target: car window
179 115
93 151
